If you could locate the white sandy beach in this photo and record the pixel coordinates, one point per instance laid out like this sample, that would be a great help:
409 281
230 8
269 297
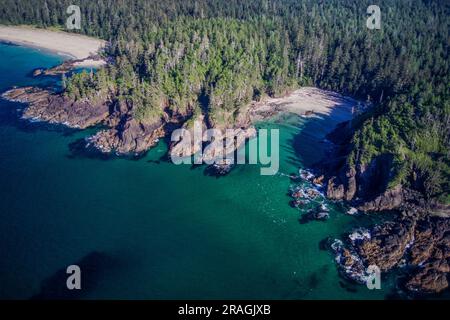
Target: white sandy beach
74 45
307 99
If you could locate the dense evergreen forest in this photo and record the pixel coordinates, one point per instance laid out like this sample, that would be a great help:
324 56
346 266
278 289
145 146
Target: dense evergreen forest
215 56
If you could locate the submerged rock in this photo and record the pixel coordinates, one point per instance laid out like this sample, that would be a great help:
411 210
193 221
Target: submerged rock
319 213
219 169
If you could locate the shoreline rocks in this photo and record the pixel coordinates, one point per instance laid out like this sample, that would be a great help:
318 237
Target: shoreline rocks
69 65
125 135
417 239
318 213
421 245
219 169
132 137
44 105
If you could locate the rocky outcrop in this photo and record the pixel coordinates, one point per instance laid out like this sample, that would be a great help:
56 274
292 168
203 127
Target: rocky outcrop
342 186
429 279
190 139
131 137
387 244
439 209
218 142
44 105
319 213
421 245
366 185
431 254
219 169
226 142
419 240
69 65
349 264
126 134
388 200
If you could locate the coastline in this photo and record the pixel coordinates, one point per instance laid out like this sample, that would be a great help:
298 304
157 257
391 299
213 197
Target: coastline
296 103
74 46
66 55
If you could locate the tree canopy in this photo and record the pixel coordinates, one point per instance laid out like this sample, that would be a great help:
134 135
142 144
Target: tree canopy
215 56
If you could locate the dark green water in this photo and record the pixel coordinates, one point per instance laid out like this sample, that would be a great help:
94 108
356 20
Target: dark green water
164 231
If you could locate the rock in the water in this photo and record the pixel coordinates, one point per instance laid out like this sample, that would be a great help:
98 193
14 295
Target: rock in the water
37 72
319 213
219 169
319 180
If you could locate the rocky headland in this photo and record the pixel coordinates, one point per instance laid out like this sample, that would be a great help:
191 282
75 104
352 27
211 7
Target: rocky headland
417 240
45 105
419 247
125 134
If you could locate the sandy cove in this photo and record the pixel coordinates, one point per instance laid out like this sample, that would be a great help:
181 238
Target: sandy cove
78 47
309 101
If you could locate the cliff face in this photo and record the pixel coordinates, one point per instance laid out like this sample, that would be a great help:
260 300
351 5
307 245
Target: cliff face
367 185
364 184
418 238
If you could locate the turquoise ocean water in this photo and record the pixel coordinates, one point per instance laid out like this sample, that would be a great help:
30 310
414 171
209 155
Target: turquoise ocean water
147 229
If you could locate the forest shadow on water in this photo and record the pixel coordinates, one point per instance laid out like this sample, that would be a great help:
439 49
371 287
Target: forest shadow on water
309 144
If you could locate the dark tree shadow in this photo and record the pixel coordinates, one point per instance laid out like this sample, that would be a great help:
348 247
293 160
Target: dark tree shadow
311 140
92 267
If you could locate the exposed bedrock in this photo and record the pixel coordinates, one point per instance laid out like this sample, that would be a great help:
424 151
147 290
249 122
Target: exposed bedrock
126 134
211 144
423 246
226 143
388 200
366 185
129 137
69 65
44 105
190 138
387 244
